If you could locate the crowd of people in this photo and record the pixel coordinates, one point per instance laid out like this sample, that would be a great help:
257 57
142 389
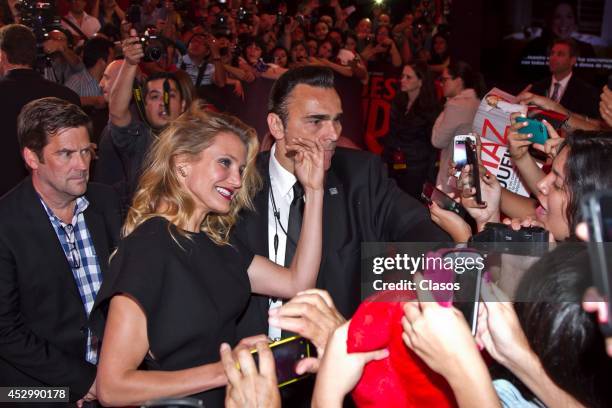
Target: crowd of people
200 240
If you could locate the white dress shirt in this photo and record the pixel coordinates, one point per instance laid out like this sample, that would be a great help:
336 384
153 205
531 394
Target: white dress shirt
89 25
281 186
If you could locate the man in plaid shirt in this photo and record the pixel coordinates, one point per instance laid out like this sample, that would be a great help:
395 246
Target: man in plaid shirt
56 235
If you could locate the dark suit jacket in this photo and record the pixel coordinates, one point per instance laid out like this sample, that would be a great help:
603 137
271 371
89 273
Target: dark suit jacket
361 204
18 87
42 318
579 96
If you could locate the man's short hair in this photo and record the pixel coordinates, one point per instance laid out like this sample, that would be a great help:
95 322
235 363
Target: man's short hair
19 44
43 118
95 49
319 77
571 44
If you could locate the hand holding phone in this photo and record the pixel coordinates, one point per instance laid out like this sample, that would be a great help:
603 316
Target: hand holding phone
471 153
248 381
287 353
431 194
536 128
459 154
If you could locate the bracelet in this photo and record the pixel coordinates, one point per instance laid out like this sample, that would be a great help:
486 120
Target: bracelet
565 125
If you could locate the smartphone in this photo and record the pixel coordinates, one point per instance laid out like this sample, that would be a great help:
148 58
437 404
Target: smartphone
535 127
469 266
287 352
597 210
463 268
472 159
459 155
432 194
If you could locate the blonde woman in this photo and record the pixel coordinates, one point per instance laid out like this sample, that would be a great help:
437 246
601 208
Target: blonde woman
179 280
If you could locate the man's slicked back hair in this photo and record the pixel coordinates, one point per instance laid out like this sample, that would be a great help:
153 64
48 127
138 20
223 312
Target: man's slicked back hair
318 77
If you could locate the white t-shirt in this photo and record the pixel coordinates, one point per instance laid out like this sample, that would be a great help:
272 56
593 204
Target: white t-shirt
89 26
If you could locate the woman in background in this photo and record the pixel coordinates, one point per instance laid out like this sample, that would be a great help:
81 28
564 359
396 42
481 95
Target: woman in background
408 151
463 88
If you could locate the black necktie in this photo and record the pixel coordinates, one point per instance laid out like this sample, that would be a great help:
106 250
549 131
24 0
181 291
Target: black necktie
294 225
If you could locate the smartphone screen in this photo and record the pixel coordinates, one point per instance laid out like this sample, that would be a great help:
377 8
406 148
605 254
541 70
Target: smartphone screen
459 156
287 352
472 160
432 194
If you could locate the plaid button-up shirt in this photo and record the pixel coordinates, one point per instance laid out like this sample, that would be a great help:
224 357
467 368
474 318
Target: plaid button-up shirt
81 255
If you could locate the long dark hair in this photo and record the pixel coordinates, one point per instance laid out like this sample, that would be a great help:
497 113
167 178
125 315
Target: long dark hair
427 102
470 77
566 339
587 168
438 58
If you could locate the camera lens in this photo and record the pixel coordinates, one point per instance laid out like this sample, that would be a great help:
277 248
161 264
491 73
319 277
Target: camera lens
154 53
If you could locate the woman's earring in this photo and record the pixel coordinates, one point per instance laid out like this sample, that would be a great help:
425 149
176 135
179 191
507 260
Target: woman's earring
181 171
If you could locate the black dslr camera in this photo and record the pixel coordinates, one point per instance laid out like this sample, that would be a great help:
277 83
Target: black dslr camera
153 45
497 232
497 237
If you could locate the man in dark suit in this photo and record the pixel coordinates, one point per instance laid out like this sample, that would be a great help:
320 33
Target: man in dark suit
563 86
56 235
20 85
361 203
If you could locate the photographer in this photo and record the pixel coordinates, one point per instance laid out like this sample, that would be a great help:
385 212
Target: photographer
61 62
131 136
203 61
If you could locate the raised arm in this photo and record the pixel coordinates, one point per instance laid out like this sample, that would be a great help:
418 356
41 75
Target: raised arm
95 9
241 74
574 120
346 71
270 279
219 77
121 94
396 58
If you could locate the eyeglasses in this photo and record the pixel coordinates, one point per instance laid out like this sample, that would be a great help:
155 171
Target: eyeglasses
75 257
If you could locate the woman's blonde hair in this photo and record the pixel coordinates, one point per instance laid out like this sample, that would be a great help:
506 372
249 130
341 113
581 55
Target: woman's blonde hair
159 191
